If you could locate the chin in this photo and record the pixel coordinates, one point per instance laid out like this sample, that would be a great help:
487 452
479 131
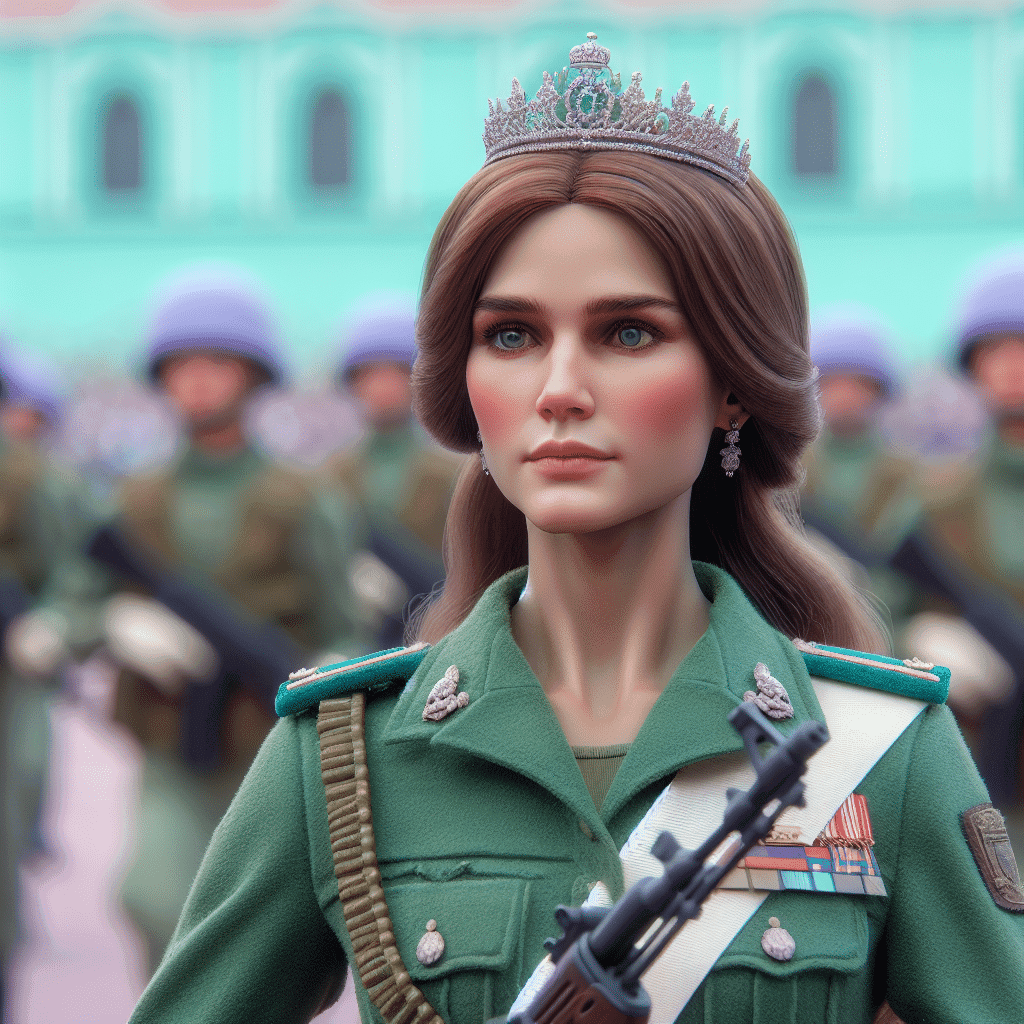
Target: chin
578 520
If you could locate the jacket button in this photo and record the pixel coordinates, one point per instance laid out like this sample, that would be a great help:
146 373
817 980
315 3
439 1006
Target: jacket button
777 942
587 830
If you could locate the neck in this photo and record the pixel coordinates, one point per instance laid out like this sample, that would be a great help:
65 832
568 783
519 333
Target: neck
218 440
606 619
1011 430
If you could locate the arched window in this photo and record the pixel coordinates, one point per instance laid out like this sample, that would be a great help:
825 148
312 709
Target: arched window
329 141
815 131
122 145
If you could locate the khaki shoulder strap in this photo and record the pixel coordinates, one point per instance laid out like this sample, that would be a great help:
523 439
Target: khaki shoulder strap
348 471
21 472
353 847
143 503
281 492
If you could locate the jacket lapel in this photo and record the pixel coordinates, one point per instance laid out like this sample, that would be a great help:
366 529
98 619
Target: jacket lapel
508 719
689 722
510 722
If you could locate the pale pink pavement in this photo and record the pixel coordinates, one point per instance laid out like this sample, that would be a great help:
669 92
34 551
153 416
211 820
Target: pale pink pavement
80 961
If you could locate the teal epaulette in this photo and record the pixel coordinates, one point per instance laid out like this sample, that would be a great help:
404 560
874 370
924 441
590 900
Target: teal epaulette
307 687
910 678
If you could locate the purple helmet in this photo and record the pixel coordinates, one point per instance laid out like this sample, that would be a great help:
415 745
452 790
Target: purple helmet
217 310
382 329
992 304
28 379
852 339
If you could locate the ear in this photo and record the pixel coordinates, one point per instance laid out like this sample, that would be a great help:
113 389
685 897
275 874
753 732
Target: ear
730 410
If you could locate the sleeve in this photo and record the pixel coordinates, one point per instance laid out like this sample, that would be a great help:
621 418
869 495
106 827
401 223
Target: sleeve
332 532
76 587
953 954
252 945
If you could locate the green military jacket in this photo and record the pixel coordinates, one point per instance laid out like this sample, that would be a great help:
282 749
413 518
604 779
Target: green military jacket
484 824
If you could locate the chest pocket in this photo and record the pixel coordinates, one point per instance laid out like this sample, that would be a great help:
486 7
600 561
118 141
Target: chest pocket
482 923
825 980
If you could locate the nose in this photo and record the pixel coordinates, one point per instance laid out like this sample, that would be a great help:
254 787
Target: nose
567 393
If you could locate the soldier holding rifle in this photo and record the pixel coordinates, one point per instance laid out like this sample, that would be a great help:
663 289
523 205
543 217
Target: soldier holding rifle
401 483
45 513
613 322
257 537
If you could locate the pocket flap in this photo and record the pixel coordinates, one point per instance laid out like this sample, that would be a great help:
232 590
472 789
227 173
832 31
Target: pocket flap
830 932
480 920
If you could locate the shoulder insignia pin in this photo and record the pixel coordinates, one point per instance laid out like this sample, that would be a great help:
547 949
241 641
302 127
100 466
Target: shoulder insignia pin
990 846
926 666
911 678
771 696
445 697
308 686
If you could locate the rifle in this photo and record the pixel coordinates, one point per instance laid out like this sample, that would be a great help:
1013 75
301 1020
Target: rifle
15 600
258 654
999 620
942 574
409 559
990 610
604 951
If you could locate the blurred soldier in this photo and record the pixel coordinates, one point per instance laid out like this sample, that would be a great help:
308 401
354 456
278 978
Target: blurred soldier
43 519
402 481
259 535
32 402
981 520
976 518
30 410
857 493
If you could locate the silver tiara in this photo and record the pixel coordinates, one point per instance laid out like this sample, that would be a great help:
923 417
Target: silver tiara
584 107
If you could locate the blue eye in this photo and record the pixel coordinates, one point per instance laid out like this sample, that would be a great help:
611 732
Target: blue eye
634 337
509 340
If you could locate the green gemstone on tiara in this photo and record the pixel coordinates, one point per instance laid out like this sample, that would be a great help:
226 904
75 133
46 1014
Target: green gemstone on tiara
584 106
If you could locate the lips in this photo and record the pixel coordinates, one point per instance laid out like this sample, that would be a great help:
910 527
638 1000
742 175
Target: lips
566 450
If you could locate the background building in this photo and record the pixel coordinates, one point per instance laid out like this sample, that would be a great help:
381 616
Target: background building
318 143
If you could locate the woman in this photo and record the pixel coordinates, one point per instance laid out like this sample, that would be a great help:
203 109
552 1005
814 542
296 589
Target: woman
612 316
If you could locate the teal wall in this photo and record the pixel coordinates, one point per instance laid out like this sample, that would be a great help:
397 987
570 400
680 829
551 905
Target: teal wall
931 112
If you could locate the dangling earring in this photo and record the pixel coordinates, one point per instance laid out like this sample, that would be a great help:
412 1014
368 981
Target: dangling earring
730 455
483 461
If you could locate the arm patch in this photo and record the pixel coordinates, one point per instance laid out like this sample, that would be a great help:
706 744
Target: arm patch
990 846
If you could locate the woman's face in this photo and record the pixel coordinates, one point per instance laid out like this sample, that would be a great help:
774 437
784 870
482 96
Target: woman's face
594 402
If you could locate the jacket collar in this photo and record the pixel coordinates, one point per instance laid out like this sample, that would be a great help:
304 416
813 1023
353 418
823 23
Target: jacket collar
510 722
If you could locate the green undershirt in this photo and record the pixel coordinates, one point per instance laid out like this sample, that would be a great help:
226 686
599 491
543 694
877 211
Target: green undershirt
598 766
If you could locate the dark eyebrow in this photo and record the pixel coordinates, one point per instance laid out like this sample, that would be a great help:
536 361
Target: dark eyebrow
616 304
497 304
597 307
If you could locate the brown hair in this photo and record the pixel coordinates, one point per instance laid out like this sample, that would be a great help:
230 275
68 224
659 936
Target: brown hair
739 280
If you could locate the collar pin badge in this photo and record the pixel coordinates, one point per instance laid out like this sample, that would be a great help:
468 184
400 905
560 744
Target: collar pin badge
777 942
445 697
771 696
430 948
924 666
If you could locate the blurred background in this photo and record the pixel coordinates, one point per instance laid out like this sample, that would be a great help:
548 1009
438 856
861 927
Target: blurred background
318 143
296 156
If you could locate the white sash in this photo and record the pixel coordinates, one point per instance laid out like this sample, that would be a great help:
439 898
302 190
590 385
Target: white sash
863 724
